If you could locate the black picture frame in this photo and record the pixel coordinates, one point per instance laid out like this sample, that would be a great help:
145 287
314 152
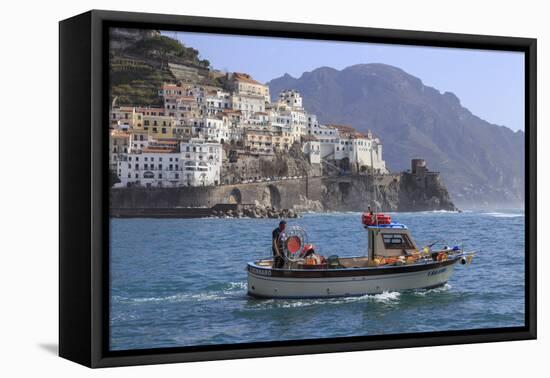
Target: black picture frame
84 196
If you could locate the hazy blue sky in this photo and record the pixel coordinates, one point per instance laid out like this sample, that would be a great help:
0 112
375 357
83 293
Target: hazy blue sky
489 83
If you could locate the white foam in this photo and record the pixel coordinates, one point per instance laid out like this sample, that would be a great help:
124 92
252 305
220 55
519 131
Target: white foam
387 296
504 215
424 292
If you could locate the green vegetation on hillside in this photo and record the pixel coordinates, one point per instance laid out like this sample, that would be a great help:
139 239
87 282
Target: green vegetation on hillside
138 86
138 70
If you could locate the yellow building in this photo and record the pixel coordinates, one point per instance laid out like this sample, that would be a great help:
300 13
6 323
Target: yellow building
125 117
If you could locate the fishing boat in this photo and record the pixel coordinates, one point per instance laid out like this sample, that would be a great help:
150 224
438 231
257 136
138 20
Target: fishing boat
394 262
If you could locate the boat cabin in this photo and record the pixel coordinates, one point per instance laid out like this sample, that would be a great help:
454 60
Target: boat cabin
390 240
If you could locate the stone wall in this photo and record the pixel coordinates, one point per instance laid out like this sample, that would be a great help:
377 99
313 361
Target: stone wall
397 192
281 194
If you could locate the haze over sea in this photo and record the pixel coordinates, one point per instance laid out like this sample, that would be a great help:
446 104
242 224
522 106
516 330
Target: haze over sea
182 282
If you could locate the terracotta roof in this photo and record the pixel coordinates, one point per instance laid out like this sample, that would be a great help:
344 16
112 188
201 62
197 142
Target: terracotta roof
348 131
245 77
186 98
308 138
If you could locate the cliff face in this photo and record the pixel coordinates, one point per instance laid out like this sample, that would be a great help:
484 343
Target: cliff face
398 192
423 193
241 166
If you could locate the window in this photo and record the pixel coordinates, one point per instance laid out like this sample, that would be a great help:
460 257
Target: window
396 241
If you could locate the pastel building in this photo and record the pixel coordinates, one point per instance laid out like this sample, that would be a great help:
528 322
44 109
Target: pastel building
124 118
119 144
243 84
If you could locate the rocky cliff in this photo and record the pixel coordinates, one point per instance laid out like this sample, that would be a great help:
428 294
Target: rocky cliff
396 192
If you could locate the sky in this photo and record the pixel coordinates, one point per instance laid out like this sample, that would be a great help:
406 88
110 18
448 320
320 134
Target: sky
489 83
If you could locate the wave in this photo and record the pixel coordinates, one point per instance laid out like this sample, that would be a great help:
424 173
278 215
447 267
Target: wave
439 212
504 215
424 292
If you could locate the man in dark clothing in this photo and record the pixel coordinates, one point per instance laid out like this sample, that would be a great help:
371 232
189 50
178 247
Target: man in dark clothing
277 245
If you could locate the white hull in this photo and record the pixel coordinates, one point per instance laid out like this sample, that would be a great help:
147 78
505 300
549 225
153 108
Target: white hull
262 284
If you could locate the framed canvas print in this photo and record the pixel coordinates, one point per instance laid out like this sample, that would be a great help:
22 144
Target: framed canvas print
235 188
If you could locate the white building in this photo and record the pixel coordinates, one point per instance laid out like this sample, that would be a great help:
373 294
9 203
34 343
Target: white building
197 163
312 149
291 98
202 161
248 104
346 143
212 128
217 101
152 167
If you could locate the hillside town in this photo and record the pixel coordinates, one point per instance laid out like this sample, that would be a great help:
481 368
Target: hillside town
203 132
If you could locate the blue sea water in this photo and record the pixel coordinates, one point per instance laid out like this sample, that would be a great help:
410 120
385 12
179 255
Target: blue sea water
182 282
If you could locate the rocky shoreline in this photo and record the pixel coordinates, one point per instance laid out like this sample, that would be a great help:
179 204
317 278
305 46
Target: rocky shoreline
256 211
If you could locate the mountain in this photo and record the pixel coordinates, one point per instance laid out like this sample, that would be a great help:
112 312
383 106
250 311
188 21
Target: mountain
482 164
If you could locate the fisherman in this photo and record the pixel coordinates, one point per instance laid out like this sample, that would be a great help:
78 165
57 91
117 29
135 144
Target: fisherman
310 257
277 245
308 250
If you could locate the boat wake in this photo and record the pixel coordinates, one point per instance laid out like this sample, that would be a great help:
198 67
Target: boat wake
237 290
424 292
226 291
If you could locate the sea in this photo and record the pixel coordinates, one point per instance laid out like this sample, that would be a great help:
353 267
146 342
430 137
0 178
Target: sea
182 282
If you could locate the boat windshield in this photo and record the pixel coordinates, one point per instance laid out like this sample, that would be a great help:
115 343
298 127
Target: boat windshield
397 241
